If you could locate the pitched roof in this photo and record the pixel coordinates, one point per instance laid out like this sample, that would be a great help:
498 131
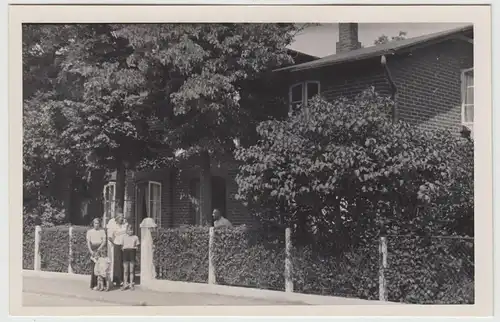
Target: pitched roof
378 50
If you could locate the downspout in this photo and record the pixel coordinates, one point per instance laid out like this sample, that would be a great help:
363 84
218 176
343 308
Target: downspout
394 89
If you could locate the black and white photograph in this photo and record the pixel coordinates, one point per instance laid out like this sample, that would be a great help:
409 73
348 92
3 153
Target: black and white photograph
248 164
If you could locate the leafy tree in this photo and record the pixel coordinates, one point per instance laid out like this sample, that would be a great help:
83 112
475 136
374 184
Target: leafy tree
47 160
203 83
345 169
385 39
140 89
100 121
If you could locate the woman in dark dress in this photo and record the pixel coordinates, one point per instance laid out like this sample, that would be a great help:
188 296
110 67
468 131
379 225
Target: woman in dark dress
96 240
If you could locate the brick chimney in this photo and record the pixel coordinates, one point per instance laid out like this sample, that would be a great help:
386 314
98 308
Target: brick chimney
348 37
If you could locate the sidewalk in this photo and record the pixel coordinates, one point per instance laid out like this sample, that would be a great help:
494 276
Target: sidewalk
172 293
79 290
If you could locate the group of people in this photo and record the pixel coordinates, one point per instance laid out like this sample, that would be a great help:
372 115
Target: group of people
122 246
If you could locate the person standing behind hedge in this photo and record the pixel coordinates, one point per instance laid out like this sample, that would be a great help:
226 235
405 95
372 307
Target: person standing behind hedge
219 220
117 228
96 240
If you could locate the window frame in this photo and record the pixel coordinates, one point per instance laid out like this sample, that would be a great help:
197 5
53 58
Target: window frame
150 201
463 90
304 93
112 201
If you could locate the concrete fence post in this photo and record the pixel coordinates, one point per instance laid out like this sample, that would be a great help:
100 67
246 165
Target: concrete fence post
382 282
148 273
37 265
70 255
288 261
211 267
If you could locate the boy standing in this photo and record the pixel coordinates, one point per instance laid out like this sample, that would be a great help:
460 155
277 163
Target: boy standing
130 245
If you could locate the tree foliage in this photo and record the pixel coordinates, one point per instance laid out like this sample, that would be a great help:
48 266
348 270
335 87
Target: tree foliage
116 97
385 39
344 168
203 70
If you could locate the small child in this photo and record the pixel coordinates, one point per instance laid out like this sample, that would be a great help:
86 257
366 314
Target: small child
130 245
102 270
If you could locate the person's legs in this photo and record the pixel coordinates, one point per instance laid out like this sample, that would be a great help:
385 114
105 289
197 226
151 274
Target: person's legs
118 265
93 277
132 275
125 274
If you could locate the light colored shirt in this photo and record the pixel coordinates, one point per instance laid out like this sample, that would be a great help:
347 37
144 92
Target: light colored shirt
102 266
96 237
130 242
116 231
222 222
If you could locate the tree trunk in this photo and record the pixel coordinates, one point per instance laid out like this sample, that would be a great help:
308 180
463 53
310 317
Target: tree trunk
68 177
96 205
121 172
206 188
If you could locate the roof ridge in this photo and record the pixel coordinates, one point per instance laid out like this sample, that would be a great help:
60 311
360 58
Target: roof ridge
369 51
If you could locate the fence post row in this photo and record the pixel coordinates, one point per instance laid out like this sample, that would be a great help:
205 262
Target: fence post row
288 261
382 282
211 267
37 265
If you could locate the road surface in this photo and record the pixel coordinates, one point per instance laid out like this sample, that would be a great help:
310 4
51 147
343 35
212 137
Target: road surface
62 292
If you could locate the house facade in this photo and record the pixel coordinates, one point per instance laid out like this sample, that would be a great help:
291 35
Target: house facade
431 79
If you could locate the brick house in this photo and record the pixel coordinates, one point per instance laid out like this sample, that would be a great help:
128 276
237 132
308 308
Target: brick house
430 78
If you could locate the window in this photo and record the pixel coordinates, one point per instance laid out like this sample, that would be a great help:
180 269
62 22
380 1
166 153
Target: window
468 97
109 193
302 92
154 201
218 199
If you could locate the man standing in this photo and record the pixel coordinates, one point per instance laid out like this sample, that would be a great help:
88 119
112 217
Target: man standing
219 220
116 229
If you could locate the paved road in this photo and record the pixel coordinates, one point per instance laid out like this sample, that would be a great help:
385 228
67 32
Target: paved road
56 292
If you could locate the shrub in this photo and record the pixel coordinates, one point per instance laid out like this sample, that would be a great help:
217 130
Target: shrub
253 258
54 249
344 168
46 212
353 273
80 255
181 254
430 270
28 247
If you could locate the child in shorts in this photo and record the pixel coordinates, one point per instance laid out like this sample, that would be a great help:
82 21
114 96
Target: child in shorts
130 245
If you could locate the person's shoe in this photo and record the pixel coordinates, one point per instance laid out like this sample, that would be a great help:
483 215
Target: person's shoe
95 288
132 287
124 287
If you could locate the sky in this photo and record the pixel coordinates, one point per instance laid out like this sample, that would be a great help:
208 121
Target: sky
320 40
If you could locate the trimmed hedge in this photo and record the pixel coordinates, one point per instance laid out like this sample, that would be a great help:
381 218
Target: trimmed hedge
441 272
430 270
249 257
354 273
80 254
420 270
181 254
54 249
29 247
